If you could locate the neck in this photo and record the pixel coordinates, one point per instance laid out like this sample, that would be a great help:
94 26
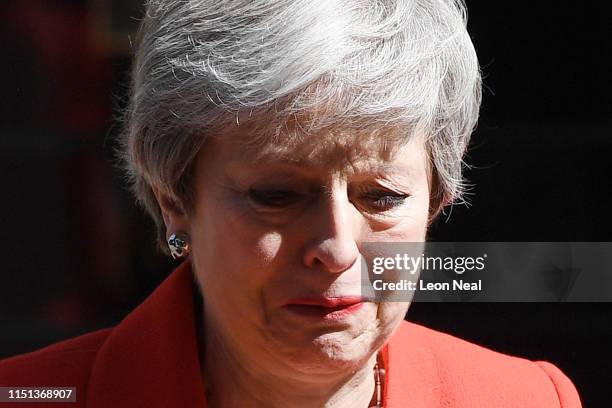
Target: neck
236 379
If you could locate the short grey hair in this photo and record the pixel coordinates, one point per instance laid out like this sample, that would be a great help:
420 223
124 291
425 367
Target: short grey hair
201 65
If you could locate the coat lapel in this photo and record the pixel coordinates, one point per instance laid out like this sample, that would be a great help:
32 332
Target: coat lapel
151 358
412 378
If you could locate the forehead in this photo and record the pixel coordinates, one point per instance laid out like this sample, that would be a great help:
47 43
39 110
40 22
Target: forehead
332 149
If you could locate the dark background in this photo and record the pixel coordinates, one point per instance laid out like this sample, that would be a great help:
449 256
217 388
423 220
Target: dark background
78 255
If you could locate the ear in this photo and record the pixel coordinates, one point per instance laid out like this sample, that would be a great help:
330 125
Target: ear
175 217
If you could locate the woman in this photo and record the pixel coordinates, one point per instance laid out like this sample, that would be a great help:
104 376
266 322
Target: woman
270 140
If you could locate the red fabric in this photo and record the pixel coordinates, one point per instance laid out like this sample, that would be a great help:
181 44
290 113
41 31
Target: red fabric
150 360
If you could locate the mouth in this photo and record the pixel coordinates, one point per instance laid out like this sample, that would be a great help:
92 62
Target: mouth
336 308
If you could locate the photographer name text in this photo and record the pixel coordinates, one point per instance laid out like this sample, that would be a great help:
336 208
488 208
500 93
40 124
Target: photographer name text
406 285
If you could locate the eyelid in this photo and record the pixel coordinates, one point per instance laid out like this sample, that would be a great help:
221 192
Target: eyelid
379 187
274 198
273 187
375 199
394 186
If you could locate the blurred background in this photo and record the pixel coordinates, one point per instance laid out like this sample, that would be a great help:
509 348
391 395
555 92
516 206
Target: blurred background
78 255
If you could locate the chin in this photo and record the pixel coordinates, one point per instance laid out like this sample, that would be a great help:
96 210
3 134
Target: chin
332 352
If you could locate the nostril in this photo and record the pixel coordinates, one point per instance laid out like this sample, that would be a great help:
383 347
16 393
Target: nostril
332 256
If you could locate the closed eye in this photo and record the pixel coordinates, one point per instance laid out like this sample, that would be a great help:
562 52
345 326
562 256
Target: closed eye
383 200
273 198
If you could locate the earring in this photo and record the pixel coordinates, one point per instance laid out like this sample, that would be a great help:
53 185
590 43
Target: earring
179 246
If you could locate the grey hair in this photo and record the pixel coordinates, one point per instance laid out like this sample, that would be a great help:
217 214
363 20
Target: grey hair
200 65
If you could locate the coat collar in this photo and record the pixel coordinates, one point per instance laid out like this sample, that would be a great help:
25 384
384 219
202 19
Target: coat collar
151 358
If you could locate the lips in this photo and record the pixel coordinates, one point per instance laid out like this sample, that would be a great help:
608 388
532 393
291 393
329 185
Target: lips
327 308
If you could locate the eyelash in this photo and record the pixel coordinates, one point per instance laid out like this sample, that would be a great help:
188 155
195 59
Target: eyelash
386 200
382 200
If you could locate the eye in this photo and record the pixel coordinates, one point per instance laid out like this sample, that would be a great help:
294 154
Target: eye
383 200
273 198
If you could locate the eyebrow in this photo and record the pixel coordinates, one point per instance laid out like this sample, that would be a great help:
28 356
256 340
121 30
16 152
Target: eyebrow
306 168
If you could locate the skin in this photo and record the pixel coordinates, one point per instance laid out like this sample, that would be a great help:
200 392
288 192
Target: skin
282 221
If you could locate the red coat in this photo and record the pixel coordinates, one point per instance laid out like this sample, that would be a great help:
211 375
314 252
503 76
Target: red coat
150 360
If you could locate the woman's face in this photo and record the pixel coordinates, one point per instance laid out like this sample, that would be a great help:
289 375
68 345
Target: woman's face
276 236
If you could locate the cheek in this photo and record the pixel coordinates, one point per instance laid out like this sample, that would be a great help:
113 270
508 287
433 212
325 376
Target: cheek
267 247
233 256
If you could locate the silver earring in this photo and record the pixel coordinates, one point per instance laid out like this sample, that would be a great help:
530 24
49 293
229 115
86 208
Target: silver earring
179 245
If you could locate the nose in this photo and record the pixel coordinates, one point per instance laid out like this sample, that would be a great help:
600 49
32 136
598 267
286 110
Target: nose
334 226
